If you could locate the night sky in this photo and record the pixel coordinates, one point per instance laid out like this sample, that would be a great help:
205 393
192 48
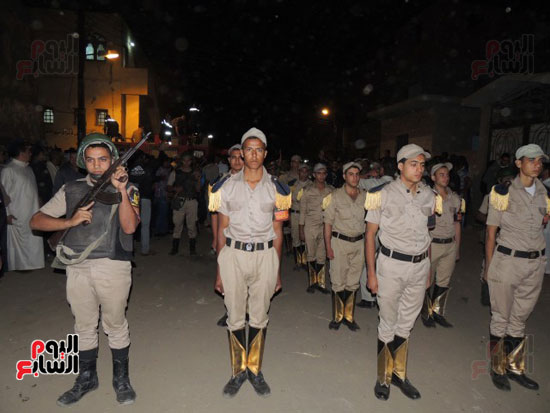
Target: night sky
275 64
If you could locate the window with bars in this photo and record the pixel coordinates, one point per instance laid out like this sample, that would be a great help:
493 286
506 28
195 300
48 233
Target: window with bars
100 115
48 115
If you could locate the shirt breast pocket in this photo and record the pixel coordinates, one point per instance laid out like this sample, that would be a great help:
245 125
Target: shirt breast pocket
426 211
234 206
266 207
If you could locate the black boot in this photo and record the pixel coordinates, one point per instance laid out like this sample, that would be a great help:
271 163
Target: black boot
312 277
256 344
485 297
337 310
297 258
349 310
498 363
515 362
192 246
426 313
321 282
222 322
125 394
86 380
384 370
175 246
439 300
400 349
237 351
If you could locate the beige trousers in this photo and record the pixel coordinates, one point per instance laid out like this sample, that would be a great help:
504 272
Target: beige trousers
187 214
347 265
295 229
514 287
401 289
94 283
443 262
248 278
315 244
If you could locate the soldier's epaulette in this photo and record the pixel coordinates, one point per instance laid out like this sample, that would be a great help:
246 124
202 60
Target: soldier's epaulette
283 198
498 198
214 196
373 200
547 201
326 201
462 206
438 207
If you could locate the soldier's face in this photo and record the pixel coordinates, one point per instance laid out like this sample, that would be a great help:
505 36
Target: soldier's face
413 169
235 160
352 177
97 160
254 153
294 164
320 176
441 177
531 167
303 174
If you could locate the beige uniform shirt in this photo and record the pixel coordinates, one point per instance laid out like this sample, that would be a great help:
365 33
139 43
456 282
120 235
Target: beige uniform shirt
311 213
347 216
57 206
288 176
298 185
521 224
445 223
250 211
403 218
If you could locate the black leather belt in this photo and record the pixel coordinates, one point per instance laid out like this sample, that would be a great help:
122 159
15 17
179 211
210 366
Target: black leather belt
443 240
249 246
402 257
521 254
295 211
346 238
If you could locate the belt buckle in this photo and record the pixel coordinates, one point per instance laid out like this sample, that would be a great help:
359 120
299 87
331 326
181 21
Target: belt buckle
533 255
248 246
417 258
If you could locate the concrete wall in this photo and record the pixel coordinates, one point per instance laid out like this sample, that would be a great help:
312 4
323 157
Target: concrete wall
418 125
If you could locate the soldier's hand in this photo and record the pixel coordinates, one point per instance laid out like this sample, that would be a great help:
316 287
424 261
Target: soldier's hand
11 218
218 285
429 284
330 253
457 256
279 284
119 178
372 283
81 215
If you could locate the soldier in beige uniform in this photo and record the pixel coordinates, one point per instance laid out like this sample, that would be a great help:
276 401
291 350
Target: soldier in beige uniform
297 187
293 173
445 247
515 259
311 228
399 276
344 219
252 206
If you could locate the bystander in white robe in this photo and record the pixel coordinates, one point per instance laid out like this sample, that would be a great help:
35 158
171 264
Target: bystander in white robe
25 249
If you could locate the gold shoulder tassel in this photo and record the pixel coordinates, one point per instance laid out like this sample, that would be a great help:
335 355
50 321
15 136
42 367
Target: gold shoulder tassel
209 190
326 201
214 201
373 200
498 201
462 206
547 205
300 193
438 204
283 201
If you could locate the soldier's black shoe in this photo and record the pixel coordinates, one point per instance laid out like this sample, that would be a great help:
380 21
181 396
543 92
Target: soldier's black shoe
85 382
125 394
406 387
311 289
334 325
428 322
366 304
234 384
222 322
522 380
352 325
259 384
439 319
500 381
175 246
381 391
323 290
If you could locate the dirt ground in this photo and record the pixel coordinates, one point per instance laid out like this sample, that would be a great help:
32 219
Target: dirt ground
179 358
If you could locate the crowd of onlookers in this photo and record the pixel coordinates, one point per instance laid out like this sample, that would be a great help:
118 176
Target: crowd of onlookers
52 167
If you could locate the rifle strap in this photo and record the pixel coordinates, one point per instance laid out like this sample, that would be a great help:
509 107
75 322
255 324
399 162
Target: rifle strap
67 256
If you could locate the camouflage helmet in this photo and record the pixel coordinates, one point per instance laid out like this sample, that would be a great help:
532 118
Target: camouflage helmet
94 139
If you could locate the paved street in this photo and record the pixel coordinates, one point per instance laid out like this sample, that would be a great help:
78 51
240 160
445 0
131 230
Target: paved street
179 359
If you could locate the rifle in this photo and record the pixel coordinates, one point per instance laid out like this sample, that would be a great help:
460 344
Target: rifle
97 192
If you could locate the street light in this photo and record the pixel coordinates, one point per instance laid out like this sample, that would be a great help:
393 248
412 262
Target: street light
210 136
112 54
194 109
325 111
